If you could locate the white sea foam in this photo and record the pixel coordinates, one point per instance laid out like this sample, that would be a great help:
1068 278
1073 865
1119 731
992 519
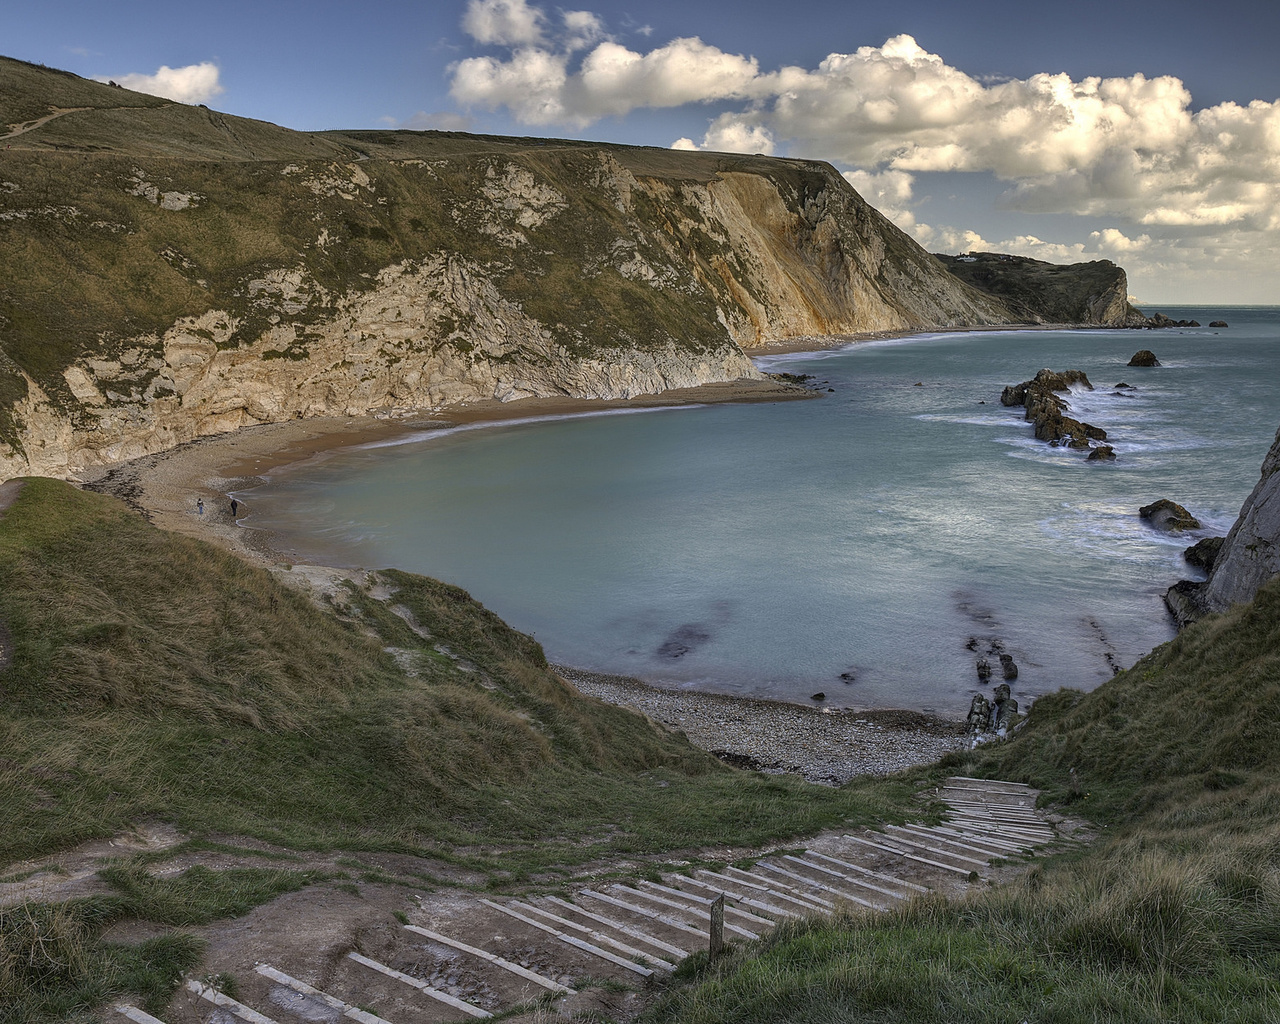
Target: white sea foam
418 436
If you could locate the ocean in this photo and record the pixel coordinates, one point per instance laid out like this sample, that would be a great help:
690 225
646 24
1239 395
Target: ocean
869 544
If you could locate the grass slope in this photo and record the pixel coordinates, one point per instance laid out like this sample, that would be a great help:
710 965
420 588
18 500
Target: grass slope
155 675
1173 915
147 676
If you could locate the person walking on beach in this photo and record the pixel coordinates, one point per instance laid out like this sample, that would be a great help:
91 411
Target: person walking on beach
200 506
234 505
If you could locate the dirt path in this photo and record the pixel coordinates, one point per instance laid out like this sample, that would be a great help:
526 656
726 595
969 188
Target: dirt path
376 934
8 492
29 126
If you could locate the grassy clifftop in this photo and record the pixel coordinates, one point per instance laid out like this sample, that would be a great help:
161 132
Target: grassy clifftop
1093 293
149 678
159 254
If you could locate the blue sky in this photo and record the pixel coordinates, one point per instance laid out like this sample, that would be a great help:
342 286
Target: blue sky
1143 132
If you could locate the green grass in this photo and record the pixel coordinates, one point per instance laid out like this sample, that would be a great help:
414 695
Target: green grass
55 964
93 270
1172 915
154 676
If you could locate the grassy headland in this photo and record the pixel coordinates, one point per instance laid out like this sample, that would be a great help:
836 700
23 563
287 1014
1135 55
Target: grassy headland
1172 915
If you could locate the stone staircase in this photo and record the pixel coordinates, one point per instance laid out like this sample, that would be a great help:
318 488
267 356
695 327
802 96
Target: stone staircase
540 947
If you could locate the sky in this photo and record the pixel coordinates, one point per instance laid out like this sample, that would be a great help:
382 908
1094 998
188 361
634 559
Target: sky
1147 133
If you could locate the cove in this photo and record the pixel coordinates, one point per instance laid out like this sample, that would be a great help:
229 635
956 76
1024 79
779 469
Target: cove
868 544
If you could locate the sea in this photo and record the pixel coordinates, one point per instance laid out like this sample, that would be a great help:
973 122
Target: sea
868 545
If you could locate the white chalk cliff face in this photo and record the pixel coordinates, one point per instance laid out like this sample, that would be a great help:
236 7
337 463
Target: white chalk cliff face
385 353
392 287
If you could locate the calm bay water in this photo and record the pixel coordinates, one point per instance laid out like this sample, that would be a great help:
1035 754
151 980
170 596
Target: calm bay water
876 531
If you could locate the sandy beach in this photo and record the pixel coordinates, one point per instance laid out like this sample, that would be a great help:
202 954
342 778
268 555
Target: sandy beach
824 745
166 486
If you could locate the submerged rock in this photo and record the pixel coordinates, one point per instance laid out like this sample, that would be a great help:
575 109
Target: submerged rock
1103 453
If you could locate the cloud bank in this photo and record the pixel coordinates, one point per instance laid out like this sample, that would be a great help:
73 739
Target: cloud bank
1131 149
194 83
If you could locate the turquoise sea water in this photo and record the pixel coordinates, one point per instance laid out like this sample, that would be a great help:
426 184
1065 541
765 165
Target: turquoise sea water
881 530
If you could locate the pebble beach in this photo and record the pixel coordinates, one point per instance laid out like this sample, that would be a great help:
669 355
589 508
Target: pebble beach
828 746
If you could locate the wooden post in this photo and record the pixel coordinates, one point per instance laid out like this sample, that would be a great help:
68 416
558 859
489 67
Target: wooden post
717 926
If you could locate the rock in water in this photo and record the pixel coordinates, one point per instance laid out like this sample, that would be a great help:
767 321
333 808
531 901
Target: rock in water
1103 453
1008 667
1204 553
979 717
984 670
1217 323
1144 357
818 696
1168 516
1047 412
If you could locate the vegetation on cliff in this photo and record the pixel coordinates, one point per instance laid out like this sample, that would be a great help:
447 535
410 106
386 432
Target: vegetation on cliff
173 271
1090 294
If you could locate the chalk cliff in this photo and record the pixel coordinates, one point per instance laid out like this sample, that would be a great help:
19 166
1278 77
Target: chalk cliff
1248 558
173 272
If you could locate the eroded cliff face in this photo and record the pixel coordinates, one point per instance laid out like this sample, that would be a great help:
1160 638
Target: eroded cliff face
1248 558
393 350
172 272
398 287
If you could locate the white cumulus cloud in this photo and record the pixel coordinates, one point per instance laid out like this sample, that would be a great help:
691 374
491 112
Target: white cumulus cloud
1130 147
194 83
1181 187
504 23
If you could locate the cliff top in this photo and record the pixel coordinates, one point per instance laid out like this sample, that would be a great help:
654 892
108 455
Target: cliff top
49 110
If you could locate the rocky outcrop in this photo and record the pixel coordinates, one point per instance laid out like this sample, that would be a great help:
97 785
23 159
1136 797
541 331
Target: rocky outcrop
1160 320
1094 294
1247 558
1047 412
1168 516
1144 357
1203 554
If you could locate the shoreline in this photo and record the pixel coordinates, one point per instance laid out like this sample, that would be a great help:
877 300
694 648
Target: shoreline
166 485
827 746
